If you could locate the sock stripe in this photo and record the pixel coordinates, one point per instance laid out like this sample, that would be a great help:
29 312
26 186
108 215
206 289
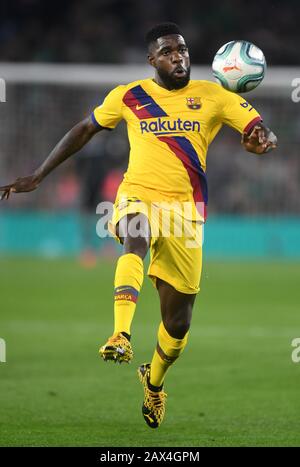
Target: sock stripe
164 356
126 293
127 289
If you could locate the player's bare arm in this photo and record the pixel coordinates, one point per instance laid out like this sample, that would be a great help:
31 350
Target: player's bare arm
259 140
71 143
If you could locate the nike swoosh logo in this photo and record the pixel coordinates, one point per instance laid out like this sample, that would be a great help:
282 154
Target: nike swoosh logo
121 289
148 416
139 107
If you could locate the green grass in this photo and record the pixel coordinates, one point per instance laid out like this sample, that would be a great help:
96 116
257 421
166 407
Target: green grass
235 384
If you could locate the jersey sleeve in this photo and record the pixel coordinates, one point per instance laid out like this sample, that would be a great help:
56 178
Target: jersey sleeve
109 113
238 113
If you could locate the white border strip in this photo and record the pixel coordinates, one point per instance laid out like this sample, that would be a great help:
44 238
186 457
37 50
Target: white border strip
277 78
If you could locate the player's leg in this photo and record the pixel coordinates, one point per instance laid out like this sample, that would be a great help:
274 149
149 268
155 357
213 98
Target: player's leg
176 311
133 231
175 269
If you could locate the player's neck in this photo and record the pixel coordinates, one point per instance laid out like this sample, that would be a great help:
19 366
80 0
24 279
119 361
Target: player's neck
160 82
157 79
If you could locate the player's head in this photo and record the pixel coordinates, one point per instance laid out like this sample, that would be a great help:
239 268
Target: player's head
168 54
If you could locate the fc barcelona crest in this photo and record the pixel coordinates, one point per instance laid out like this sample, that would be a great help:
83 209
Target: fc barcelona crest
194 103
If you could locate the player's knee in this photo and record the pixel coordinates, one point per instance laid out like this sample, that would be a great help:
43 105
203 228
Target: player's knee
178 328
134 233
137 245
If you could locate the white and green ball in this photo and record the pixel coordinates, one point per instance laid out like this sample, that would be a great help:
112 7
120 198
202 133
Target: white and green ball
239 66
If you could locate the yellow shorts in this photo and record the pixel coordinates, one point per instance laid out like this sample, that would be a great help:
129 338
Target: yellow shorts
176 243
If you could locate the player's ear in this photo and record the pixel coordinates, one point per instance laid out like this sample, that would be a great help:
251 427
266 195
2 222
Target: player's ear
151 60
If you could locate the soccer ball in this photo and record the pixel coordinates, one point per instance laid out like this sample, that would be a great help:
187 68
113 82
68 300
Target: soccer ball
239 66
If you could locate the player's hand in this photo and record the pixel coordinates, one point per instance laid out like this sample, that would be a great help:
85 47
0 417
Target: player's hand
260 140
21 185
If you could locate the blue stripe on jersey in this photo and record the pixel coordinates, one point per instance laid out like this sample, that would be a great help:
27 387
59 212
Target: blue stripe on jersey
154 109
188 148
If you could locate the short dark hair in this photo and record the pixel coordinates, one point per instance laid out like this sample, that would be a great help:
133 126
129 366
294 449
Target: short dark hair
160 30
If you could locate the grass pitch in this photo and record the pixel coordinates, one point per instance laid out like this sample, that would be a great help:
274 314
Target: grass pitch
235 384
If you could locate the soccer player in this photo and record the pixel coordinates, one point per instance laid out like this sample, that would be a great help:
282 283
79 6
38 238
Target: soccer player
171 122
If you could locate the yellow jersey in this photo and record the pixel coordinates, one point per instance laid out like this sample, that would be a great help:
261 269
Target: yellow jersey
169 134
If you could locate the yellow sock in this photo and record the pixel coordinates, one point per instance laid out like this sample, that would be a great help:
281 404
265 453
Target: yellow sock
128 282
167 351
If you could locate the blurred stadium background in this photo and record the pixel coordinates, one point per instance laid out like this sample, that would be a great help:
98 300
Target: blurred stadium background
248 195
58 61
